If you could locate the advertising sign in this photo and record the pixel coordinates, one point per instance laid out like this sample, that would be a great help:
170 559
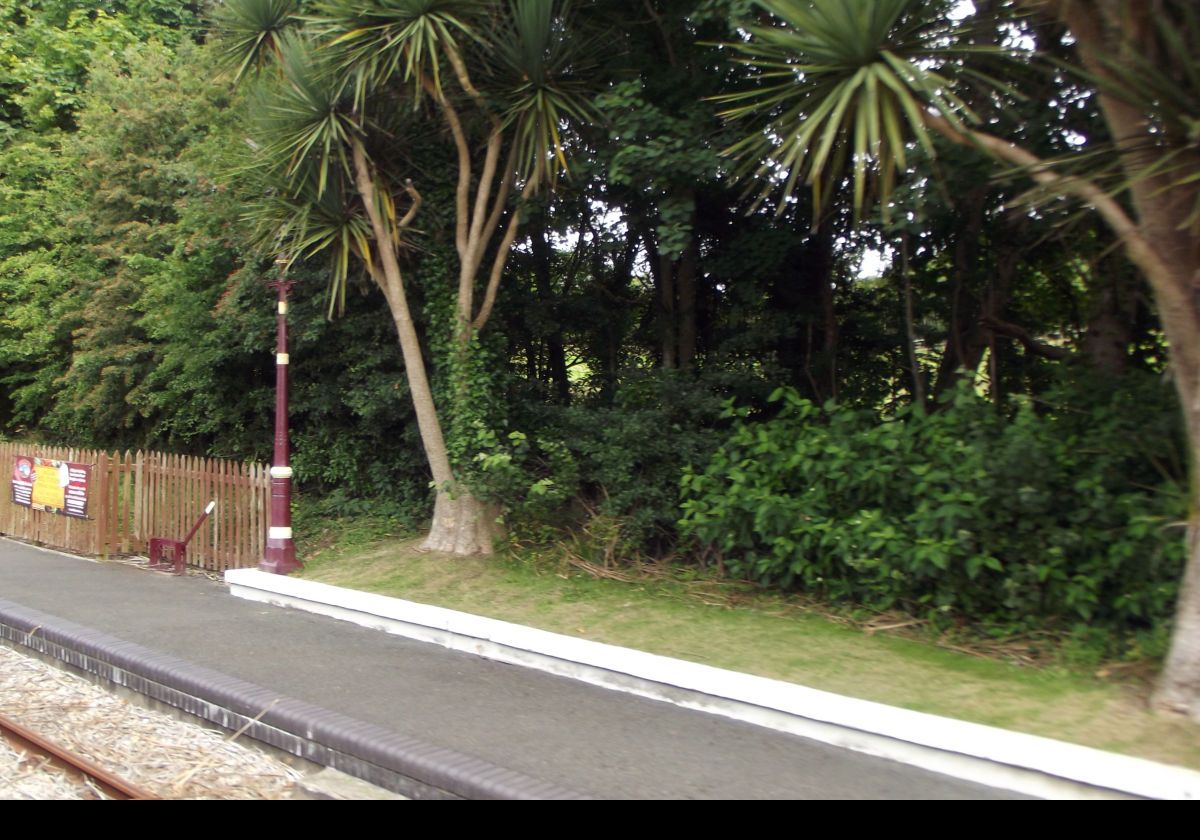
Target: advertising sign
49 485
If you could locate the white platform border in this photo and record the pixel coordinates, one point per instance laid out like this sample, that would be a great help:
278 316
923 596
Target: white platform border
987 755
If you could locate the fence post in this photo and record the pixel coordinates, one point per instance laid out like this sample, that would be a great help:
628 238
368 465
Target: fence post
100 506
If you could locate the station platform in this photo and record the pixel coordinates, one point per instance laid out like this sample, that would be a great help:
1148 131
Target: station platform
514 731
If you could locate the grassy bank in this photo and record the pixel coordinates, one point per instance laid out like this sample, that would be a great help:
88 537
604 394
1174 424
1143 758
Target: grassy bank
737 628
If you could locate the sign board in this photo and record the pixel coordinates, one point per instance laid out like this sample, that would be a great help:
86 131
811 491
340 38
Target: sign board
52 486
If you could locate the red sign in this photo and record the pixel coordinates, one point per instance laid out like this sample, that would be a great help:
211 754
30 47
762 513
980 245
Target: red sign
52 486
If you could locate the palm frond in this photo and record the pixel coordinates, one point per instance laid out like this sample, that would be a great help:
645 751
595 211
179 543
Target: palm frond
296 216
842 88
305 119
539 70
378 40
305 114
250 31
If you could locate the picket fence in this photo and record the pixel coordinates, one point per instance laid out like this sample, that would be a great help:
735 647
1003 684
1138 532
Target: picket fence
134 496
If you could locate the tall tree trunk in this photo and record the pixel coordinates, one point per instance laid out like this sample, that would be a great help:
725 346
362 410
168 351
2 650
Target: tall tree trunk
1179 685
461 523
966 340
1110 326
1169 257
555 345
675 279
685 288
664 278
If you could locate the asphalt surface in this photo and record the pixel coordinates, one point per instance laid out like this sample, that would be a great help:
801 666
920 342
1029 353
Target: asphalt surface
600 742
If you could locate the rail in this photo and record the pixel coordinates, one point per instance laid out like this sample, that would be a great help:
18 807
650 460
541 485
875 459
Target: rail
75 765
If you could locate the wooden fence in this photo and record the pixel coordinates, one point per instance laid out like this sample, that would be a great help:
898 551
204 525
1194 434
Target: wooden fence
135 496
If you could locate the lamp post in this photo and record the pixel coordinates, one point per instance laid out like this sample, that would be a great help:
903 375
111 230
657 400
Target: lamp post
280 555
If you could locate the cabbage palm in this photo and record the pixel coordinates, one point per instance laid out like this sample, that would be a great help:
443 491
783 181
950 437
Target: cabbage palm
844 84
502 77
850 86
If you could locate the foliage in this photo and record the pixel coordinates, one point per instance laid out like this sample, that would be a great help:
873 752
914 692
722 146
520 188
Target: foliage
136 314
93 216
48 47
1053 514
654 149
133 313
629 455
587 463
844 86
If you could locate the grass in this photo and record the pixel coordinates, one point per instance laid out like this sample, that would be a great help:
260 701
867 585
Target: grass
731 627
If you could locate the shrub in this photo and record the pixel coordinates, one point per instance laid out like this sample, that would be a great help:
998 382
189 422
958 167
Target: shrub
631 454
1050 514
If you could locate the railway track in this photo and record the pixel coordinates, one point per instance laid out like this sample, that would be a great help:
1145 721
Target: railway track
72 764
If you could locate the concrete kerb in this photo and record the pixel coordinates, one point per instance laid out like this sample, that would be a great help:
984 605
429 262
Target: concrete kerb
987 755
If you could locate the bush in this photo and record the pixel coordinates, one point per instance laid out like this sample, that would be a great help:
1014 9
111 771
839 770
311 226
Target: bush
617 464
632 453
1050 515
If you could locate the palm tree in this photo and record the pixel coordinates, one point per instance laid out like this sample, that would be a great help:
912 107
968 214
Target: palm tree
847 87
353 78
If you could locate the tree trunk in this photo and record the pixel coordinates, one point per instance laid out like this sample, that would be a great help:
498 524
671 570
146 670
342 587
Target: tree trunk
910 330
1110 327
685 289
1178 688
1172 268
556 350
615 303
1169 257
461 525
664 277
966 341
830 344
804 294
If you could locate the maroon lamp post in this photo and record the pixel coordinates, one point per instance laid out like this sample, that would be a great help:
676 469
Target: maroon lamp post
280 555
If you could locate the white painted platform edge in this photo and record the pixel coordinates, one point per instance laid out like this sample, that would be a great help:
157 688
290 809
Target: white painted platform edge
1012 760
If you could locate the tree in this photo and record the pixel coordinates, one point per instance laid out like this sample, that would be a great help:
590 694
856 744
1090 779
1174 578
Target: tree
846 87
358 84
49 46
49 52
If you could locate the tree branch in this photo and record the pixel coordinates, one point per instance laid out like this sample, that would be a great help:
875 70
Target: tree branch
415 197
475 237
462 190
498 205
1158 274
662 31
1038 348
464 79
498 263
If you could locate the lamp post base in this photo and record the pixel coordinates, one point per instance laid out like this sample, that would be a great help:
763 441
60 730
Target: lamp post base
279 558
